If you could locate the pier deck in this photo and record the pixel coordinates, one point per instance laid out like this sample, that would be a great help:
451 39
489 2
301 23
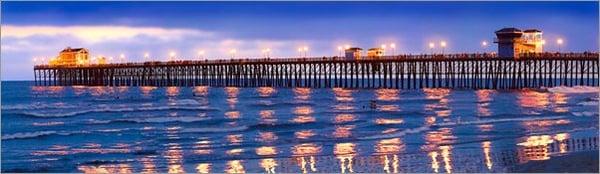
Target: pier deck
474 71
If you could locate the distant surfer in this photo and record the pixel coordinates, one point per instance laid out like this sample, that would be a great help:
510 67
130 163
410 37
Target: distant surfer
373 104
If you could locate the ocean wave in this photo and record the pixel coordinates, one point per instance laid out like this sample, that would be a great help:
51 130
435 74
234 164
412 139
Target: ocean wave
574 89
588 103
213 130
37 106
165 119
455 123
25 135
185 102
487 121
103 110
397 133
585 114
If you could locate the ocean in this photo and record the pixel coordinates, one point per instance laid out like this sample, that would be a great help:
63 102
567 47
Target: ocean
292 130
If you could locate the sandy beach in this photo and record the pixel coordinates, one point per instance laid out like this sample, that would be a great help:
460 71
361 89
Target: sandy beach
579 162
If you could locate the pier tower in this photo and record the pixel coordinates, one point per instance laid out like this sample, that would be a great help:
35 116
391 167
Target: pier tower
512 42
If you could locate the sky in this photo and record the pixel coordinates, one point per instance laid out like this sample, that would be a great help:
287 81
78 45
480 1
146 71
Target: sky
41 29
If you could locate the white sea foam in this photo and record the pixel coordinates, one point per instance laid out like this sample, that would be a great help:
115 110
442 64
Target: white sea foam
107 109
22 135
37 106
574 89
487 121
456 123
397 134
213 130
588 103
167 119
187 102
585 114
94 121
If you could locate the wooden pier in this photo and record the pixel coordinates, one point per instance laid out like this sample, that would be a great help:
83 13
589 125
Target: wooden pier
473 71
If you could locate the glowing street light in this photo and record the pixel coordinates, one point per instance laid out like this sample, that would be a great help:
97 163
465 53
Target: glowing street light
35 61
110 59
43 60
347 46
559 41
172 55
122 58
232 52
146 56
431 46
443 45
201 54
303 49
484 45
393 46
340 50
266 52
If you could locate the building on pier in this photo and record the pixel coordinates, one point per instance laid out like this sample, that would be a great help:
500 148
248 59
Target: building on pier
533 40
512 42
101 60
353 53
71 56
375 53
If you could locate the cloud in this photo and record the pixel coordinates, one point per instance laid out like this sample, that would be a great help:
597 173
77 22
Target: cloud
97 34
21 44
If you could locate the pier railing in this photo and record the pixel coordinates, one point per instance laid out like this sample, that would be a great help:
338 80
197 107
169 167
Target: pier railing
406 57
400 71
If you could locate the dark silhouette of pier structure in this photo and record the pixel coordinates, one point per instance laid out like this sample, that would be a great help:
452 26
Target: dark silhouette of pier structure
474 71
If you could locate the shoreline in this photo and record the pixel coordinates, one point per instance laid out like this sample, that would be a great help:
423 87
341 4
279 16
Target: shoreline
577 162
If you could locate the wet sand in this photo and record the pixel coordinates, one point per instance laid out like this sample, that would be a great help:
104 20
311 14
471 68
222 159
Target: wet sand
579 162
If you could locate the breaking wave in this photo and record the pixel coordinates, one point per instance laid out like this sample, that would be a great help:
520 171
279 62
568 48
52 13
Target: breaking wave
574 89
165 119
37 106
104 110
454 123
25 135
585 114
213 130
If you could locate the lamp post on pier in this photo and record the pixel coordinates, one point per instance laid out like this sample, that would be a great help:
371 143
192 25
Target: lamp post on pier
443 45
146 56
303 50
266 52
172 55
559 41
431 46
484 45
393 47
122 58
232 52
200 54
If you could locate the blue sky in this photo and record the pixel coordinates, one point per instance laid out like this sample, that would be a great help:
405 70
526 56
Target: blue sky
41 29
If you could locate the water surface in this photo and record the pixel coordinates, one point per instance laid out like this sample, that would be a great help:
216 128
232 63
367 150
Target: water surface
233 130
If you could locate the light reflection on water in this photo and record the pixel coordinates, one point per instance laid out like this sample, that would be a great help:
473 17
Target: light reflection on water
203 168
304 151
312 130
487 145
345 152
302 94
235 166
484 97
